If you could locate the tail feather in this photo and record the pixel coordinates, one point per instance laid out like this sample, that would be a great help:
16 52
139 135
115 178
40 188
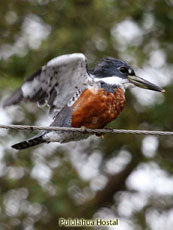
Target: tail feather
29 143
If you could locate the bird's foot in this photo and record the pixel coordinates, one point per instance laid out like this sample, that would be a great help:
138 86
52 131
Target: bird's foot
83 128
102 136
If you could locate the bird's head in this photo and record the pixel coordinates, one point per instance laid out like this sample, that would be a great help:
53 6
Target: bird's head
118 73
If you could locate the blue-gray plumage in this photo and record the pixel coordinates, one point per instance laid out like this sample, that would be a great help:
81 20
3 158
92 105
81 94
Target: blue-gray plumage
77 96
112 67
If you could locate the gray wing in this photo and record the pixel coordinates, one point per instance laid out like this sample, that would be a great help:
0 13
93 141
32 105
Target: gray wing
55 83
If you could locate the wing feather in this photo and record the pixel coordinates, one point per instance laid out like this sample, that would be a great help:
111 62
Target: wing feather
55 83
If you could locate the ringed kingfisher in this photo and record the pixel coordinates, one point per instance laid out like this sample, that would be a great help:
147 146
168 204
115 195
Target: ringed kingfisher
77 97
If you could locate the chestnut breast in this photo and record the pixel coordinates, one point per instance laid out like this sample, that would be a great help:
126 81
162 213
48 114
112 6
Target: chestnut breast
96 108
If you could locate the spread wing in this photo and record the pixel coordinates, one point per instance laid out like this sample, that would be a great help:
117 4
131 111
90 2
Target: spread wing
55 83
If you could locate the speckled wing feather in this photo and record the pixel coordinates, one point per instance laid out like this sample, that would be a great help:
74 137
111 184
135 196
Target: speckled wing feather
55 83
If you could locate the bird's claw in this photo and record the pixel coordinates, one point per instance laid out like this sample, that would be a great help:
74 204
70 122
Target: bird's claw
83 129
102 136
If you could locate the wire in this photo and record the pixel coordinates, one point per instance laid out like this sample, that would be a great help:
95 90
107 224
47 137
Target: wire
86 130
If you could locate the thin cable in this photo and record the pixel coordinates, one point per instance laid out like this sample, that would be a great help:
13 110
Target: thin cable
86 130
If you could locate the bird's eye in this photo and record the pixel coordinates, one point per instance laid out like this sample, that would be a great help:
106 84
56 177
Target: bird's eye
123 70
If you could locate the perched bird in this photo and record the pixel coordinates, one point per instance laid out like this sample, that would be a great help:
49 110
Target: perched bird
77 96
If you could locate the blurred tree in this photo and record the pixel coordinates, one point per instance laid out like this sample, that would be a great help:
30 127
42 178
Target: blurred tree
38 186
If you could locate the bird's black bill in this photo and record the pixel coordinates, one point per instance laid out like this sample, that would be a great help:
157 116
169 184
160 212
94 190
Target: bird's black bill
140 82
